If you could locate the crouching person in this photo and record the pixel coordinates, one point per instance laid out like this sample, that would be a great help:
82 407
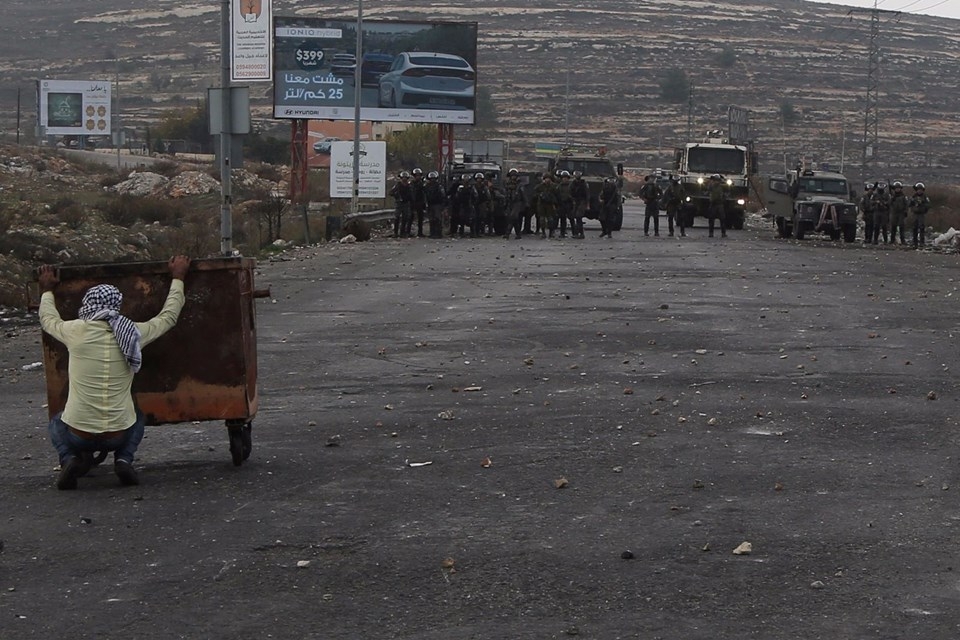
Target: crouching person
104 354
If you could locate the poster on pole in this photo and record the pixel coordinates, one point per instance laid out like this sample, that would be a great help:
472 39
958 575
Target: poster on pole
409 71
373 169
75 107
251 44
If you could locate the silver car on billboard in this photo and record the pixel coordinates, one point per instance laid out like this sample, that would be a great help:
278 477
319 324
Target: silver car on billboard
423 80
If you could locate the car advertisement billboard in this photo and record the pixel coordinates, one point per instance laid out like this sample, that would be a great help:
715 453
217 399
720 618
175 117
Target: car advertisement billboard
410 71
75 107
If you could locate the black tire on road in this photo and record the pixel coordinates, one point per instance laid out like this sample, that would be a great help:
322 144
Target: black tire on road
799 230
850 233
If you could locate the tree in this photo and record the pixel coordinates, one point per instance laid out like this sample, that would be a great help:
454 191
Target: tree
188 124
414 146
486 114
674 85
788 114
727 57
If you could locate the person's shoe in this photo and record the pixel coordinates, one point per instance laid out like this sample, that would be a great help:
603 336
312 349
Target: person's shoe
656 233
69 472
723 234
646 233
127 474
683 234
710 234
670 234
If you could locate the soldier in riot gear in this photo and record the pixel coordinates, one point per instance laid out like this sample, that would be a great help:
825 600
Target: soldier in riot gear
867 208
482 206
467 199
516 204
650 193
881 212
898 213
609 201
580 192
546 198
402 198
419 204
919 205
565 203
456 224
436 201
716 210
673 200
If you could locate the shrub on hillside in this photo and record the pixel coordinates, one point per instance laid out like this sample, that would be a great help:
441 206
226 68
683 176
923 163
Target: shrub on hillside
166 168
68 211
127 210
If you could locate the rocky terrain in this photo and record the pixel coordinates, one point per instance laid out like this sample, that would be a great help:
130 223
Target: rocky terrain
614 53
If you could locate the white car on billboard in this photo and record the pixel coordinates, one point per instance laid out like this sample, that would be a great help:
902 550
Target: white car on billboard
422 80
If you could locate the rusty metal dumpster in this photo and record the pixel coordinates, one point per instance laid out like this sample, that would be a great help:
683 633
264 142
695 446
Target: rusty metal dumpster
204 369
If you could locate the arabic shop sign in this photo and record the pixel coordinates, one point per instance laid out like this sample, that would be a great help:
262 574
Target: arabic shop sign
373 169
75 107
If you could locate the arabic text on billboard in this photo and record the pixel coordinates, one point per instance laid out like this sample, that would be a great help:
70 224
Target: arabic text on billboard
250 40
373 169
75 107
409 71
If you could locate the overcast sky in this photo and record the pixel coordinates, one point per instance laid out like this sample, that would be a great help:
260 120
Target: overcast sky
945 8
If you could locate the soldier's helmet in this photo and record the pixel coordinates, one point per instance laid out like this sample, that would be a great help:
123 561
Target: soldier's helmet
564 174
404 174
479 175
547 176
898 185
716 176
881 186
513 172
607 180
674 178
869 186
433 175
577 174
919 187
418 171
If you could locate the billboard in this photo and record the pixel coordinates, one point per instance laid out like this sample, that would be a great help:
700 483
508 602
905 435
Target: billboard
250 40
373 169
75 107
410 71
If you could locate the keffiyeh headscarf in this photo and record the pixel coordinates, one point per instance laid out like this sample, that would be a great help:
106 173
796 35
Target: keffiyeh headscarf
102 302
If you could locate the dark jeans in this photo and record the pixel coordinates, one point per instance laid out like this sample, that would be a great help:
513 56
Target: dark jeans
124 444
652 210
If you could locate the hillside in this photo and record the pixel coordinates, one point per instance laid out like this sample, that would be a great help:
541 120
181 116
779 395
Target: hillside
809 55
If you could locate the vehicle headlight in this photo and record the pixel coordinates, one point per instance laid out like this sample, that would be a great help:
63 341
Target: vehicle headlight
741 202
699 180
729 182
688 198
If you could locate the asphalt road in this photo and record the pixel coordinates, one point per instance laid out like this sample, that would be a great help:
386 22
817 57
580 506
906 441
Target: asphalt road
686 395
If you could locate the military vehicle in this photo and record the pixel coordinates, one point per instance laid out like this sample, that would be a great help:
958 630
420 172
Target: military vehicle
807 201
696 162
594 168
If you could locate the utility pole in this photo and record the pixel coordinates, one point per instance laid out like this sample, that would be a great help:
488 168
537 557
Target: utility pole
226 221
871 120
690 113
871 108
357 95
566 114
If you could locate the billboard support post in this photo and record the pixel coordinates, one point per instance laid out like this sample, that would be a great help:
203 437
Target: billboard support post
226 132
357 96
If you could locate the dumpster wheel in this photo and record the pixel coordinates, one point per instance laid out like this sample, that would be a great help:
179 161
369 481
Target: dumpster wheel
241 441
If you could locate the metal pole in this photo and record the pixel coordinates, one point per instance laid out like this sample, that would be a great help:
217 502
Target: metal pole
117 115
18 116
226 221
357 95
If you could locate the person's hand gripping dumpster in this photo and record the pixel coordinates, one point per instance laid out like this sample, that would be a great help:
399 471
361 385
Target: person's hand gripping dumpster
104 354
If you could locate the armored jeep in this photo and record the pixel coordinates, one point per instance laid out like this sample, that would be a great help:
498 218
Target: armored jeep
808 201
594 168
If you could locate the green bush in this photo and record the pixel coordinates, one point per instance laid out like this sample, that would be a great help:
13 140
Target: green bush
127 210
